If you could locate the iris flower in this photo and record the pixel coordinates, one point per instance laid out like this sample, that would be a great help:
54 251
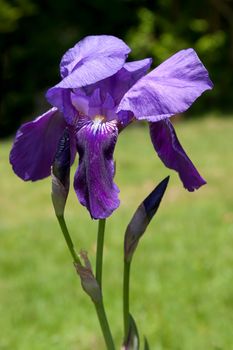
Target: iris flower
98 96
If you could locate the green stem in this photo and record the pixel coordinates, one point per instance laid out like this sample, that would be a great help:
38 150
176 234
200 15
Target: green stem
99 251
68 239
126 281
104 325
99 306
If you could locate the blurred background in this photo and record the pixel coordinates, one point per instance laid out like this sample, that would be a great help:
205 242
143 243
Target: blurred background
182 273
35 34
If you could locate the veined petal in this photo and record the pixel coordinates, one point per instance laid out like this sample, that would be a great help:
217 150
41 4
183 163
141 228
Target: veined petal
169 89
172 154
104 96
92 59
130 73
35 146
138 68
93 181
118 84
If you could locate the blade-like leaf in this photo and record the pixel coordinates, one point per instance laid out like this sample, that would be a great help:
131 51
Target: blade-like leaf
142 218
132 342
146 345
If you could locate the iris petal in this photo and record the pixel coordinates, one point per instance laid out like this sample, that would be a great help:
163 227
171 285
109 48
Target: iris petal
93 181
125 78
35 146
169 89
62 99
92 59
118 84
172 154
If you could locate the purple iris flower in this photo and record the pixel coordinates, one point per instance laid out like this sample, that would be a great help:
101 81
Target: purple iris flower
98 96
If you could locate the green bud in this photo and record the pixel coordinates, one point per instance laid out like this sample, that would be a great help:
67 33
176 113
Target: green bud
60 174
142 218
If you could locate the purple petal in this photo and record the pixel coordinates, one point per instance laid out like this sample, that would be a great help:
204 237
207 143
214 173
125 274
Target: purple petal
80 101
137 68
94 58
169 89
61 98
104 96
172 154
35 146
123 80
93 181
118 84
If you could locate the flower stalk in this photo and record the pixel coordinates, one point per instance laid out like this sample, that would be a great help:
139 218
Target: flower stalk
134 232
100 310
94 291
99 251
68 239
126 282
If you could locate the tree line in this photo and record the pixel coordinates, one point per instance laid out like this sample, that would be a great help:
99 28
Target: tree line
35 34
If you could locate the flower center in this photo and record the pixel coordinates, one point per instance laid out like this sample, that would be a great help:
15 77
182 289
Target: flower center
99 119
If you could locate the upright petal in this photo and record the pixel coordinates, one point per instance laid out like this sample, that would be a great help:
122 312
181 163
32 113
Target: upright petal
172 154
35 146
93 181
169 89
125 78
118 84
137 69
108 92
92 59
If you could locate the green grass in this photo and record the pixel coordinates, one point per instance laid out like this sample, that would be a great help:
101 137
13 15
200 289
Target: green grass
181 292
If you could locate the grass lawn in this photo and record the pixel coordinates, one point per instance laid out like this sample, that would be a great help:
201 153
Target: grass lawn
182 290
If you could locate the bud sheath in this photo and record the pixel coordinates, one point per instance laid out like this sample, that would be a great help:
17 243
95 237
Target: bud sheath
88 281
60 173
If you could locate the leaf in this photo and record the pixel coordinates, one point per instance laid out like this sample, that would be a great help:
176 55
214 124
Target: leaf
146 345
132 342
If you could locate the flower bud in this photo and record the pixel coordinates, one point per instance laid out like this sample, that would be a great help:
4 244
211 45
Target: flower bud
142 218
88 281
60 173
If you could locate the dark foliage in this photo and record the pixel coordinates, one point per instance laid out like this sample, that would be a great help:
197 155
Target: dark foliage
35 34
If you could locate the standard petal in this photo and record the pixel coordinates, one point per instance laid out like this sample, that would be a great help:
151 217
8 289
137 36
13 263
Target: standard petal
118 84
92 59
123 80
35 146
93 181
109 92
172 154
169 89
137 68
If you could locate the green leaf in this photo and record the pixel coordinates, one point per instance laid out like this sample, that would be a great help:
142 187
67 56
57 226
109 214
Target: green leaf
132 342
146 345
